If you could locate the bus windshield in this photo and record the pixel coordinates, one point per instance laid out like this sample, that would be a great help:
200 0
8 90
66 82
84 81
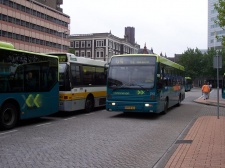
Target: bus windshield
131 76
62 68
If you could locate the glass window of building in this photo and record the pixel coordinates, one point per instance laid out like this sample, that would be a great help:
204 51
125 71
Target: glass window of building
76 44
82 44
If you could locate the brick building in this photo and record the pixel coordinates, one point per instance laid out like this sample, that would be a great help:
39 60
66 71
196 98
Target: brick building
34 25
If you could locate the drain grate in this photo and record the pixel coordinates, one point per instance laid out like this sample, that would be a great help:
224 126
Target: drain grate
183 141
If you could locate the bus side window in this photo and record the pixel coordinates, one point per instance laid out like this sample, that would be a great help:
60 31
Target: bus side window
166 80
17 83
30 82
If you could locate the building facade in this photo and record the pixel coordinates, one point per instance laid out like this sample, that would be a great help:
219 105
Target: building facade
55 4
34 26
213 28
101 46
130 34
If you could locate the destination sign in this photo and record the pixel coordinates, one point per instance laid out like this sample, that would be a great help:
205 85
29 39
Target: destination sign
62 58
121 60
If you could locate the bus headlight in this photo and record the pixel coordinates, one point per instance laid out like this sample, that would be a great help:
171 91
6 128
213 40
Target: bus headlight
148 105
113 104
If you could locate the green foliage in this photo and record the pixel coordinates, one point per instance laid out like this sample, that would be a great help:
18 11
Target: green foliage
199 65
220 7
71 50
193 61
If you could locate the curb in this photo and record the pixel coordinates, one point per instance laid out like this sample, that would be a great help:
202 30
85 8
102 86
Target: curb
207 102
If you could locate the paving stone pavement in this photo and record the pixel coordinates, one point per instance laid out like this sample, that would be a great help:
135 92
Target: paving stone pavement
82 141
204 144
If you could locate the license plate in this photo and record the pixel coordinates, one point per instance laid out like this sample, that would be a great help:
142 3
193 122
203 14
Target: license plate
129 107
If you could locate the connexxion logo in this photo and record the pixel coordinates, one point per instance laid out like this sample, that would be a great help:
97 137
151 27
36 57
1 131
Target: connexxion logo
140 92
33 101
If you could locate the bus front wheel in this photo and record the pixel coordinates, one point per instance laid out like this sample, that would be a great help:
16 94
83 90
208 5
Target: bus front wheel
8 116
89 104
179 101
166 103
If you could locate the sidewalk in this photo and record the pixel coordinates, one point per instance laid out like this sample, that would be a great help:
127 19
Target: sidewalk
204 144
211 101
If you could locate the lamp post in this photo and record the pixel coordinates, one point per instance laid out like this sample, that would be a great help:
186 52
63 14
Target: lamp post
217 65
62 32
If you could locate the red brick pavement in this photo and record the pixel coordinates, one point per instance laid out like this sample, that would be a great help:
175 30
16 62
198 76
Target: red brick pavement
207 149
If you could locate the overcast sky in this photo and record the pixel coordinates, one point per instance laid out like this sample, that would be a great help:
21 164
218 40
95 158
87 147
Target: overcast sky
167 26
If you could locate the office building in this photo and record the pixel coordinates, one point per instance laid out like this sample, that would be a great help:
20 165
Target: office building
55 4
213 27
37 26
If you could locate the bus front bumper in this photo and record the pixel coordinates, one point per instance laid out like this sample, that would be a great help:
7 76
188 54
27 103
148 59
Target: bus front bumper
123 106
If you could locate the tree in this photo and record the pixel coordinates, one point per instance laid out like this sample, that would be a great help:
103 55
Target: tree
220 7
193 62
71 50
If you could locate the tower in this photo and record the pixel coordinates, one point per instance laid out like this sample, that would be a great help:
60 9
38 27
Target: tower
130 34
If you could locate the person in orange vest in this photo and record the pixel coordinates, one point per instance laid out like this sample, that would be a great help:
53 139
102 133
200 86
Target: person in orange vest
205 90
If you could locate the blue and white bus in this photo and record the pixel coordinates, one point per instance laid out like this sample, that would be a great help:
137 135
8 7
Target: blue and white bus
18 99
144 83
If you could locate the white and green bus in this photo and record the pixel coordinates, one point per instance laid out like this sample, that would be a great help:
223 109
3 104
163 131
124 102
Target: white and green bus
82 83
144 83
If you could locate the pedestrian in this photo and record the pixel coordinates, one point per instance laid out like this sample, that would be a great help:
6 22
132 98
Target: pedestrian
210 86
205 90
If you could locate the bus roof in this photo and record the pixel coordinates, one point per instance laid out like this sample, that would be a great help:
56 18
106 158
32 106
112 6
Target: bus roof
71 58
10 47
160 59
6 45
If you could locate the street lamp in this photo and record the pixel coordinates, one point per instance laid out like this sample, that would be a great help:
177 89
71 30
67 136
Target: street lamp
62 32
217 66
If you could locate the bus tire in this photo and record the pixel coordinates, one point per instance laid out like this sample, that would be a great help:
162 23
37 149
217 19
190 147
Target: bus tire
8 116
166 103
179 101
89 104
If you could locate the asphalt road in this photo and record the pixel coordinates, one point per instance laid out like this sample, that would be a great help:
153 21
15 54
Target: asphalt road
100 139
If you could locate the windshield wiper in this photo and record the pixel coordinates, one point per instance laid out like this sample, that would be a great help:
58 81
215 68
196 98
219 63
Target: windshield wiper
135 84
121 86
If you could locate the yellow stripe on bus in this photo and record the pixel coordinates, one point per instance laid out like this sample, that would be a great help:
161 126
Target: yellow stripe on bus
78 96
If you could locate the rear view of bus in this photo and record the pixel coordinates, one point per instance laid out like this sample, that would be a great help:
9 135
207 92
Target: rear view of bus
144 83
188 84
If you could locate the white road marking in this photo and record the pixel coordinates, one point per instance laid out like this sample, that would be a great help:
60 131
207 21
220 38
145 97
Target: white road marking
42 124
70 118
8 132
89 114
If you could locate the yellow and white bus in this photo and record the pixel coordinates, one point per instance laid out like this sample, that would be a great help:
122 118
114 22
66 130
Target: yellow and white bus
82 82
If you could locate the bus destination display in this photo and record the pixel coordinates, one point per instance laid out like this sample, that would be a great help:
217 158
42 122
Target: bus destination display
132 60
